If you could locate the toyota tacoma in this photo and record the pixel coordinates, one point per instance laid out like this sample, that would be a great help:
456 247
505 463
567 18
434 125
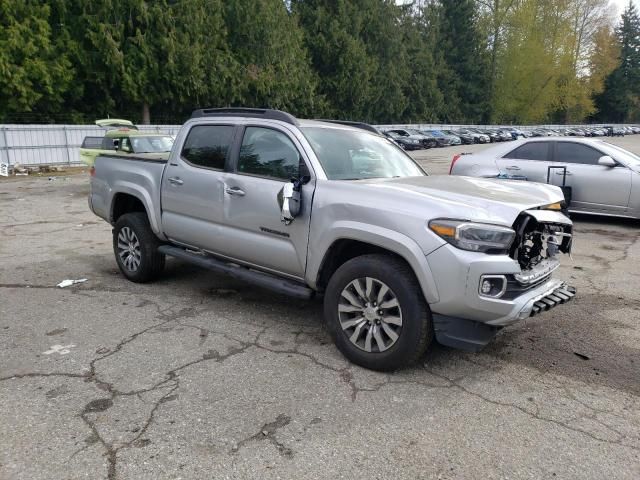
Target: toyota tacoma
306 207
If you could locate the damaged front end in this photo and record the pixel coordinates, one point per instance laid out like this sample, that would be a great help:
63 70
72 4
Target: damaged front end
541 236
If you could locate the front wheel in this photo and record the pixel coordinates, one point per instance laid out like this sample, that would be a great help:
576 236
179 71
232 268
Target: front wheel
136 248
377 314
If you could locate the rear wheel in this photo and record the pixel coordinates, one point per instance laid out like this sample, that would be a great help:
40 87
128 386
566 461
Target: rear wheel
377 314
136 248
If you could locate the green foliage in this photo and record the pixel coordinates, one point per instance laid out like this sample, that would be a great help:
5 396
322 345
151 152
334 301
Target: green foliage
33 74
380 61
464 74
274 67
620 100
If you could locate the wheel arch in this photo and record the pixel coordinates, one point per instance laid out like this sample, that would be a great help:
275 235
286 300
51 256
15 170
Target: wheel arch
350 245
128 200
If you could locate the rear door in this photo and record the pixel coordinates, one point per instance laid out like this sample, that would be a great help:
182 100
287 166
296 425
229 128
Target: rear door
192 192
529 160
269 157
594 188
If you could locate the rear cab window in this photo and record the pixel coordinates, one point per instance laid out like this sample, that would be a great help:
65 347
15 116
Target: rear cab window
531 151
207 146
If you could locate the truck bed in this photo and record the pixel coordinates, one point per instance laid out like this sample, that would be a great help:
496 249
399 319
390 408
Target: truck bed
137 175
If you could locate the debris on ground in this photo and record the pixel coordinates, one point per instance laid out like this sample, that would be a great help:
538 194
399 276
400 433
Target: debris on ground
582 356
69 282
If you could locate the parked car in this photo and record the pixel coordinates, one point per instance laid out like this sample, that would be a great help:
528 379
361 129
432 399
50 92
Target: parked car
425 141
602 178
494 135
478 136
406 142
516 133
400 257
124 138
441 138
505 135
465 138
541 132
454 139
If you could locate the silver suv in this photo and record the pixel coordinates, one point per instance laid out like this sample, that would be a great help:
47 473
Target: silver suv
307 207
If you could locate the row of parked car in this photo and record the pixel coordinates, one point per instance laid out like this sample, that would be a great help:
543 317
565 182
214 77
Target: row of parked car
414 139
584 131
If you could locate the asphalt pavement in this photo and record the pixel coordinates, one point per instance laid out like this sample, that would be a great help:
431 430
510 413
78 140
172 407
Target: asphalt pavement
199 376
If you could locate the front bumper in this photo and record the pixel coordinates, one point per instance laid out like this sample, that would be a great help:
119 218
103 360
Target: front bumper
458 273
465 319
474 336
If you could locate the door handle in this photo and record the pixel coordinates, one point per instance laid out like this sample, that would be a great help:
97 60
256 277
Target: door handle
563 173
175 180
234 191
513 167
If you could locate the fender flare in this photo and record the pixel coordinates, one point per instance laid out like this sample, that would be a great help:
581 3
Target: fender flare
136 191
381 237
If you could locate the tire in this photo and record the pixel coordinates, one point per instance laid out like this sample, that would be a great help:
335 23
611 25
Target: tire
415 332
135 247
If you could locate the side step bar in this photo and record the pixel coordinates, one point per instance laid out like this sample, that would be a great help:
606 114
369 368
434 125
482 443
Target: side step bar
264 280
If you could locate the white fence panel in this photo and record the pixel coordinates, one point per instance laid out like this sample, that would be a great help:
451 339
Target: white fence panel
53 144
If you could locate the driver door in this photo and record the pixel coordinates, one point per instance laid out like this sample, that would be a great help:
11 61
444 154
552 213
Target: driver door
595 188
268 159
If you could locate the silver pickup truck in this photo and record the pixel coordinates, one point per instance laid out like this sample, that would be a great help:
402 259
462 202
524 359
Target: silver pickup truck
306 207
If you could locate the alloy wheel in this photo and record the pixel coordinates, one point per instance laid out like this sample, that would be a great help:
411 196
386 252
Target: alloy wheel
370 314
129 249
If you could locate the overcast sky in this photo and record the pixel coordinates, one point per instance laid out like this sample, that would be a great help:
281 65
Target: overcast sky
620 4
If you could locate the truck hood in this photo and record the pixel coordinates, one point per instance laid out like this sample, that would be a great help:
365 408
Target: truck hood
471 198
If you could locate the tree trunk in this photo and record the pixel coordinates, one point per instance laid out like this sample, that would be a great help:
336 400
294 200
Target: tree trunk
146 115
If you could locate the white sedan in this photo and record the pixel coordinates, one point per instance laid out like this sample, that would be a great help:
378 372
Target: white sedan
599 178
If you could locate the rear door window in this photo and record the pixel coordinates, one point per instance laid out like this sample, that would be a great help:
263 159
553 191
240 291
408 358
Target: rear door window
531 151
570 152
207 146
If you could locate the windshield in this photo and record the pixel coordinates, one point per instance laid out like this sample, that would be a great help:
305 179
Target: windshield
624 155
356 155
151 144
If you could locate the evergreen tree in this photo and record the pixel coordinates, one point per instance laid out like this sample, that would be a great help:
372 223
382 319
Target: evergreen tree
33 74
274 67
425 102
463 74
620 100
358 49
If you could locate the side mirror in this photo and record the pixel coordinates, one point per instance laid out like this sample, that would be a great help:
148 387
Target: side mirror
607 161
290 206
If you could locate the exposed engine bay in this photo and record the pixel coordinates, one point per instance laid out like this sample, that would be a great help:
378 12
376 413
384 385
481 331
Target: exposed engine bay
538 241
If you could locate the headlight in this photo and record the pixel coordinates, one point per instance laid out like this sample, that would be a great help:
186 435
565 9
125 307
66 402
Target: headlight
476 237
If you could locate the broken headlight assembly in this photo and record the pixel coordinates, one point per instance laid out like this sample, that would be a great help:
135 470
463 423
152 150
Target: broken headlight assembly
475 237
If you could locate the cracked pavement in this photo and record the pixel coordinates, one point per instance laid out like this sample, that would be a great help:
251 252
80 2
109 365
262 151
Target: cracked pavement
201 376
